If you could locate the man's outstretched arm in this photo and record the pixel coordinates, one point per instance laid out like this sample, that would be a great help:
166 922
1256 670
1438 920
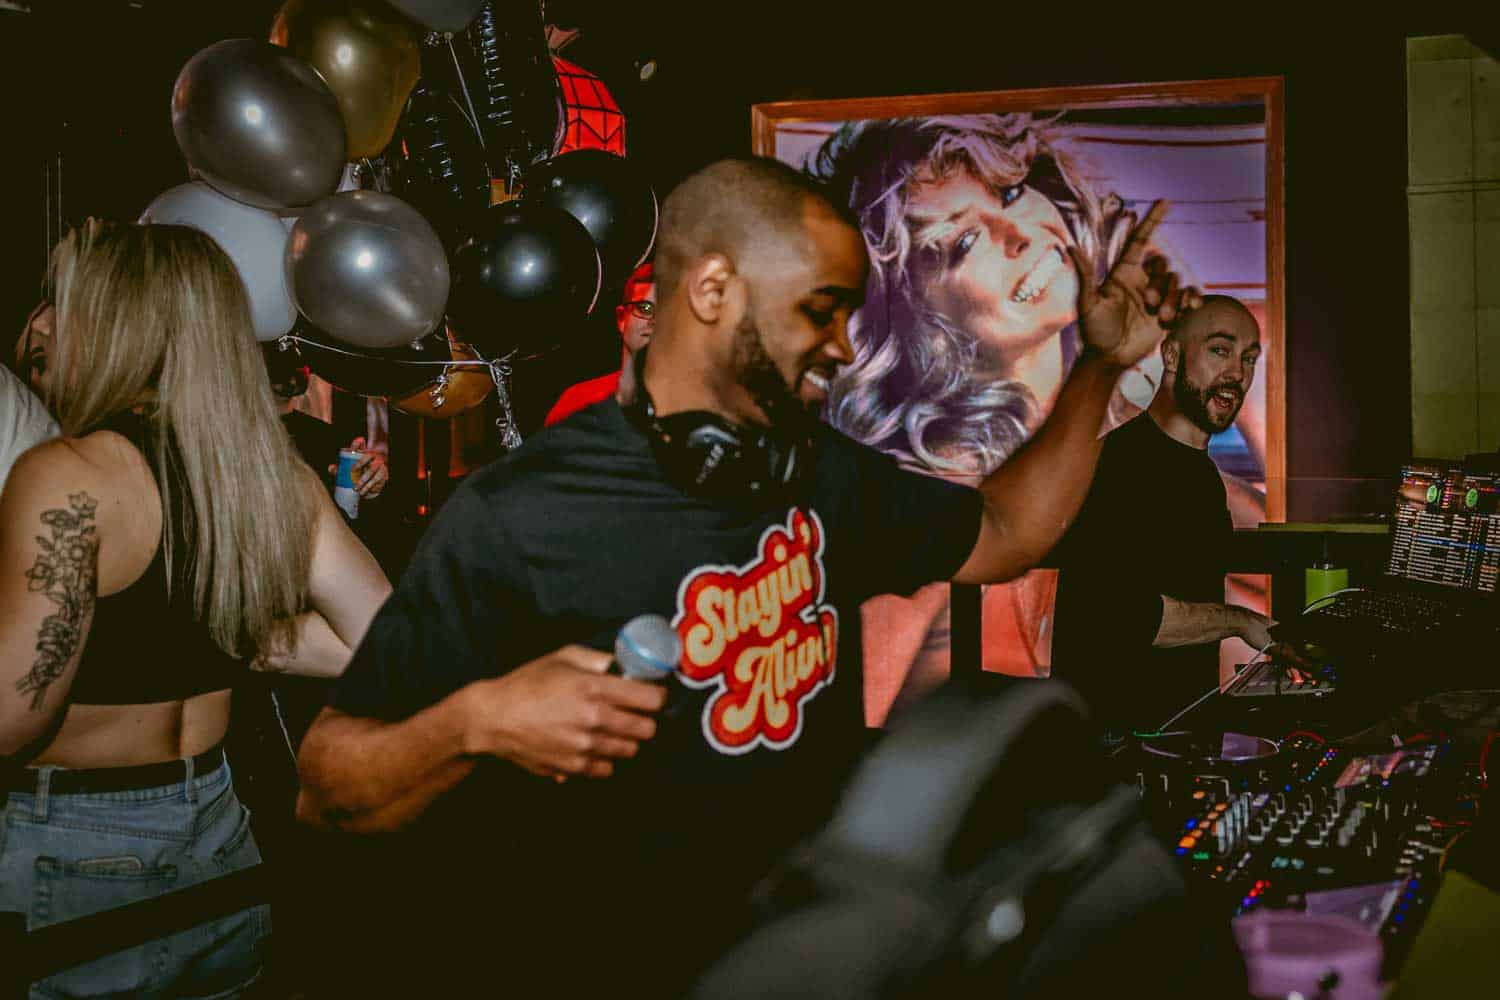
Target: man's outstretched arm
1030 500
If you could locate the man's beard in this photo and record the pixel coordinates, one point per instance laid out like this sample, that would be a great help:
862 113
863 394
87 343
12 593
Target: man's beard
1193 401
758 375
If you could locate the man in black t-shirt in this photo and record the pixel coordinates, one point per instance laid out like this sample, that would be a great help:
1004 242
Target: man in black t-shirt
1140 599
488 662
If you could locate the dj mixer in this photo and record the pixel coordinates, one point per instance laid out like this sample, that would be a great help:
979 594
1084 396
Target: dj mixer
1298 824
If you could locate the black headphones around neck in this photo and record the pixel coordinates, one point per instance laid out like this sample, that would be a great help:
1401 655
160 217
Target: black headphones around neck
706 455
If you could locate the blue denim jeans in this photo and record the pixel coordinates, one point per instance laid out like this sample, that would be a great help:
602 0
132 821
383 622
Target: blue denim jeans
65 856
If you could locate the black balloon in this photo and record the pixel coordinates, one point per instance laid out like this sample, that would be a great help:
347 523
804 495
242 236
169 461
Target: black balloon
525 283
439 164
507 72
609 196
392 371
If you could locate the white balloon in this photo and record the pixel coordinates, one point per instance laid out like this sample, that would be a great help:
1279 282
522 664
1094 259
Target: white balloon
254 239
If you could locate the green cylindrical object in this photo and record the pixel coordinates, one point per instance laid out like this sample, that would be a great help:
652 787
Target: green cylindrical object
1323 580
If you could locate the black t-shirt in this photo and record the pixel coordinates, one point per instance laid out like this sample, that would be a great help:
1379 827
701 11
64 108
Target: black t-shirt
1156 521
576 533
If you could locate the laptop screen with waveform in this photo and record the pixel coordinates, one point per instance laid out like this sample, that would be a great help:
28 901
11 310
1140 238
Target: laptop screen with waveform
1446 530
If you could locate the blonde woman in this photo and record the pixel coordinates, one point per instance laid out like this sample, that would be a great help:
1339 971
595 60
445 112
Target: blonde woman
170 536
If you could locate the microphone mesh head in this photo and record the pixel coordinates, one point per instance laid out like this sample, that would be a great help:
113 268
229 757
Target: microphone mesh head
647 648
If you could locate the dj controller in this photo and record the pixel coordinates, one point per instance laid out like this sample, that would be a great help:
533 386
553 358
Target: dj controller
1289 822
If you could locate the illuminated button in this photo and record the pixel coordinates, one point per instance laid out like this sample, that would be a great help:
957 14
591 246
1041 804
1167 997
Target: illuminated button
1187 841
1200 793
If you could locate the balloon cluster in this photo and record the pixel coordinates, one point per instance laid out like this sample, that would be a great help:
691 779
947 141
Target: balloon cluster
384 176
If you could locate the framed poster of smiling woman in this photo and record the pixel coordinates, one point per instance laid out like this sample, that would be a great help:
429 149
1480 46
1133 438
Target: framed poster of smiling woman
967 203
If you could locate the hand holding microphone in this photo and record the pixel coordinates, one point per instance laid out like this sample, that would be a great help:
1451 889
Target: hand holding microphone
575 711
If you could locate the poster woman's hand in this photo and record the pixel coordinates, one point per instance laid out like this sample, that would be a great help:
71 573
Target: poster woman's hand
1126 317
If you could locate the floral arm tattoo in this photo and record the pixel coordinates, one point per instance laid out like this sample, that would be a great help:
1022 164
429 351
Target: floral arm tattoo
66 571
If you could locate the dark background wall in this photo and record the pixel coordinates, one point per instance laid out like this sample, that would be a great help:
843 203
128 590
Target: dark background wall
90 81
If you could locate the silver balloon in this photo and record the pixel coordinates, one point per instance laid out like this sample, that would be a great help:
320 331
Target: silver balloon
258 124
367 268
440 15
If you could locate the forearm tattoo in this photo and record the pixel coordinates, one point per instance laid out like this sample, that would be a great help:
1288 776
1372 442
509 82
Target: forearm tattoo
66 571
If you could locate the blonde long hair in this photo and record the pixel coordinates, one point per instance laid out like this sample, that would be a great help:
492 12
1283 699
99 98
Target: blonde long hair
157 315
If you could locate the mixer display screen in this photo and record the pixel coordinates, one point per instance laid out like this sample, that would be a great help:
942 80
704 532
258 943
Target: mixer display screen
1381 767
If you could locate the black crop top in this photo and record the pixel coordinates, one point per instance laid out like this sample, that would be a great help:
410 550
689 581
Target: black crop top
143 648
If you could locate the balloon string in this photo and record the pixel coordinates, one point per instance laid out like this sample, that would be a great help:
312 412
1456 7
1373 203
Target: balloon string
500 371
287 340
464 86
377 179
499 368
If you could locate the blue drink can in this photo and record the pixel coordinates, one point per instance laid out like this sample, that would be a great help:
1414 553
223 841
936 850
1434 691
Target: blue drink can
344 493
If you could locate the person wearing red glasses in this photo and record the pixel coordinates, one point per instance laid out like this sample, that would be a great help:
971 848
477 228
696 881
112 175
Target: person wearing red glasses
636 318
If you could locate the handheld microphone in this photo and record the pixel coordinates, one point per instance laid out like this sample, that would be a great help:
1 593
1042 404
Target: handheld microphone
647 649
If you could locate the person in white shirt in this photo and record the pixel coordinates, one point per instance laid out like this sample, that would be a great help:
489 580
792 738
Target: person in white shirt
24 420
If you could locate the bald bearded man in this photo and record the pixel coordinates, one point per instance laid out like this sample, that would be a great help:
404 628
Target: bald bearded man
1140 602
